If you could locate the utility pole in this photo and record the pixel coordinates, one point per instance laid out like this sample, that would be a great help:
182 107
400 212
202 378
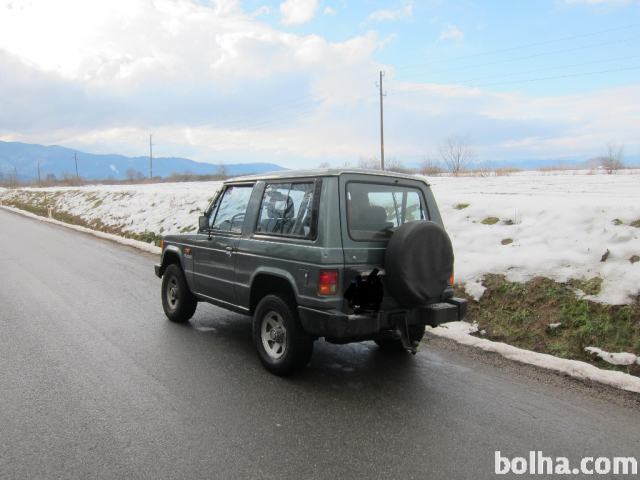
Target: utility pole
39 183
381 123
75 158
150 157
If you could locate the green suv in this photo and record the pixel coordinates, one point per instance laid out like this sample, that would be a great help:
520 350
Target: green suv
347 255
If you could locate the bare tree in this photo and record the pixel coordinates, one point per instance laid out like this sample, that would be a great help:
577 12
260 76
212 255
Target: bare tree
456 154
430 166
324 165
370 163
391 164
134 175
612 159
221 171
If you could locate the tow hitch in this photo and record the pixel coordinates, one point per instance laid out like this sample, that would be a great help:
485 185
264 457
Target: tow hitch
411 345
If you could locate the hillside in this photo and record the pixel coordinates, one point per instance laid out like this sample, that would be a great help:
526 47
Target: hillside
56 160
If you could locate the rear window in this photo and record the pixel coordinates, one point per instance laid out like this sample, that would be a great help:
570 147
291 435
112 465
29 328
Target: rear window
375 210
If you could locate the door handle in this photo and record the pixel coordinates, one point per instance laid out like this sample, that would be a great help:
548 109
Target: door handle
229 250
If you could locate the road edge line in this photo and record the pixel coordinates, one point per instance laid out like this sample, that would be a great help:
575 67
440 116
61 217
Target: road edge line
145 247
460 332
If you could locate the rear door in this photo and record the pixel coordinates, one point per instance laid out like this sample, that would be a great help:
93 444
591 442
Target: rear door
214 254
372 207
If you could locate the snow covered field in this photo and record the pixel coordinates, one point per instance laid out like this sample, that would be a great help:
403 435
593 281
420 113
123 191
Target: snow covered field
160 208
553 225
560 227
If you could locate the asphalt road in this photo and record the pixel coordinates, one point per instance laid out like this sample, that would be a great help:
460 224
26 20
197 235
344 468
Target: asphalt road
96 383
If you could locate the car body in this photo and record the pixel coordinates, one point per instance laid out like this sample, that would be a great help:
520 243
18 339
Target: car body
293 235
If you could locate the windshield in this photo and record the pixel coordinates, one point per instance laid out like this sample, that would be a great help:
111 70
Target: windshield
374 210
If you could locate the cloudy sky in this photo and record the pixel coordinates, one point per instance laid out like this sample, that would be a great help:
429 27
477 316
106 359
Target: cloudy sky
294 82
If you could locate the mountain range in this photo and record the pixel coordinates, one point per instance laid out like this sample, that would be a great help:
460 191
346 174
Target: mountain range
23 158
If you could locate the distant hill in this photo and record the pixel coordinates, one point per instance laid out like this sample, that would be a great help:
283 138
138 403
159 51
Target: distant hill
56 160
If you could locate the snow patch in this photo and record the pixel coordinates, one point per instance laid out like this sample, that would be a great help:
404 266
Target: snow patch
147 247
560 225
620 358
459 332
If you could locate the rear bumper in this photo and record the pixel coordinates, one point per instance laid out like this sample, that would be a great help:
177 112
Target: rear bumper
158 269
338 325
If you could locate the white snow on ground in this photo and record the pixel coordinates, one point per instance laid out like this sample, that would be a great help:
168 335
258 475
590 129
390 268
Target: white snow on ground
619 358
461 333
147 247
562 225
161 208
562 222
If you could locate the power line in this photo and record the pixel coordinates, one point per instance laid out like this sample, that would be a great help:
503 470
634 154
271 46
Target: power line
535 55
517 47
570 75
512 74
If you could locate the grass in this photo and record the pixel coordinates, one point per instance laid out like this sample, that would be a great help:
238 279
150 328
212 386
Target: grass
460 206
589 287
506 241
520 313
635 223
490 221
37 203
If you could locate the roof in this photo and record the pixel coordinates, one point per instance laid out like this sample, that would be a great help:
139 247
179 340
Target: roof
321 172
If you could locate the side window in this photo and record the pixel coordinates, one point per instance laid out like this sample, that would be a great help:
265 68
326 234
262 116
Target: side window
287 209
229 216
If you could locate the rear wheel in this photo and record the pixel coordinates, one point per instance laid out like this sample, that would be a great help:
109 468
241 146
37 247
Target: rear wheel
389 340
178 302
283 346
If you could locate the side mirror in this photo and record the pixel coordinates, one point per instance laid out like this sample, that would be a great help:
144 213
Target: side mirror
203 223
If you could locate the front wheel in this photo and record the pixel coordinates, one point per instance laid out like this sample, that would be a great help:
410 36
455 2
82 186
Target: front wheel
178 302
283 346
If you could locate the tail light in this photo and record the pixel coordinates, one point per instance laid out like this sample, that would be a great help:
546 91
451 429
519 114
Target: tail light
452 280
328 282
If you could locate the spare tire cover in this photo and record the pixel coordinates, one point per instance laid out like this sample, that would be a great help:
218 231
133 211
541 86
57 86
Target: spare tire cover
418 263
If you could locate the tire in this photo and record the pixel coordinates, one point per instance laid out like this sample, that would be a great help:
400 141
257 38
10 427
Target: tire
178 302
389 340
418 263
282 345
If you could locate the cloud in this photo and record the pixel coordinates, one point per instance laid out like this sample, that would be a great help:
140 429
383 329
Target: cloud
216 84
297 12
452 33
392 15
329 11
610 3
263 10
